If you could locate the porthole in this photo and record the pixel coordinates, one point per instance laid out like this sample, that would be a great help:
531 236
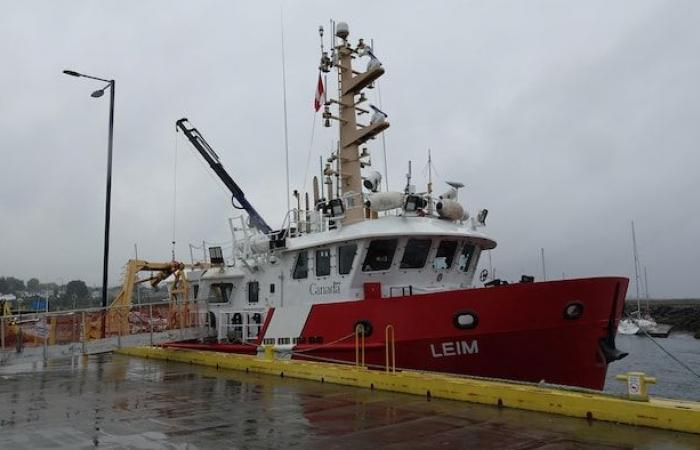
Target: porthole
465 320
366 327
573 310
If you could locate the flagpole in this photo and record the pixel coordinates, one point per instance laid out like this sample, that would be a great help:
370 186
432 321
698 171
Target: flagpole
284 96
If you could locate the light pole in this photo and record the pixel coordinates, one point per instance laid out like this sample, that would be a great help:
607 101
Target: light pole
96 94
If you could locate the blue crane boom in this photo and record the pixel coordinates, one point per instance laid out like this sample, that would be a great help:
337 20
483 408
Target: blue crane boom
210 156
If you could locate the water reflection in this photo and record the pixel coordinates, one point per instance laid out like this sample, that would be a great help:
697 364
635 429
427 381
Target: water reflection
114 401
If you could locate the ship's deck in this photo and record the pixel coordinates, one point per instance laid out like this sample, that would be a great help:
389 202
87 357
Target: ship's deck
116 401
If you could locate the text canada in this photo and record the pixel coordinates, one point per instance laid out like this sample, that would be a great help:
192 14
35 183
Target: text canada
317 289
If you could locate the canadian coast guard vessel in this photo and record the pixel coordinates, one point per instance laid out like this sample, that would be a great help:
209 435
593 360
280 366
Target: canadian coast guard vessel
361 257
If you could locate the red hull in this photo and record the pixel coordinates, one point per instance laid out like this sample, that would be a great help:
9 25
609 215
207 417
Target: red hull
522 331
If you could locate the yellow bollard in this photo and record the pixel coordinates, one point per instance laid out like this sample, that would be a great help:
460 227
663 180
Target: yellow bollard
637 385
269 352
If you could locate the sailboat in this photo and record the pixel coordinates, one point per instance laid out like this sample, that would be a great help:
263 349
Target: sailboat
636 323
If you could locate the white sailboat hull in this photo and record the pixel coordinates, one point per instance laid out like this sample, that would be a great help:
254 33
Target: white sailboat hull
627 326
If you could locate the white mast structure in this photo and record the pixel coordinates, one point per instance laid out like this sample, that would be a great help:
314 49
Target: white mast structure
352 134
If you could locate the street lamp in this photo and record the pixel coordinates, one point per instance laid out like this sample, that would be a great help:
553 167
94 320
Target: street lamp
99 93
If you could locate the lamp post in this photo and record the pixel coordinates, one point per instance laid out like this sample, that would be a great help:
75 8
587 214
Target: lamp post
99 93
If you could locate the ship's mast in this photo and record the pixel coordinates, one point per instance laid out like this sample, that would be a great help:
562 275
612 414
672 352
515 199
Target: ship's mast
352 134
430 184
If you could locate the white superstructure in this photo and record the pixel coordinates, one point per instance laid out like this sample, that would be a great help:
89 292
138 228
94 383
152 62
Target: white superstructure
355 243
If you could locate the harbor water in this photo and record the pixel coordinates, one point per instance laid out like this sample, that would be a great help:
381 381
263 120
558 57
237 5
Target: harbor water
673 380
114 401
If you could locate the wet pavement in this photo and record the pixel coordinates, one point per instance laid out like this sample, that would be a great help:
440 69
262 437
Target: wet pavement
113 401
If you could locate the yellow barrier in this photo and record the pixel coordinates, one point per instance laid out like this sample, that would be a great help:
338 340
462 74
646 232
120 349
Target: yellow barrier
389 349
657 413
360 345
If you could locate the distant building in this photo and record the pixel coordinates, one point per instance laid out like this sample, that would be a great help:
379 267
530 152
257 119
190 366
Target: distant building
8 298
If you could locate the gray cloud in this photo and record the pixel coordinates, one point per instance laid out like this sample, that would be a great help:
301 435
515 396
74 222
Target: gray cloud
565 120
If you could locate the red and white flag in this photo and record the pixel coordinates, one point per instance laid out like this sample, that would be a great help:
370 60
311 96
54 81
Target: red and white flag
318 101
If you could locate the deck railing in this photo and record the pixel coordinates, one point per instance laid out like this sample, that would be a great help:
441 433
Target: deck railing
79 328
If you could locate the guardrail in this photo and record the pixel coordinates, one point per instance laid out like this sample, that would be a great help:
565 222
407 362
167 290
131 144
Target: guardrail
94 330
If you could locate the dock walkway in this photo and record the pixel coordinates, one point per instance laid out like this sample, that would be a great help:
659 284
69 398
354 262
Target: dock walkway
591 405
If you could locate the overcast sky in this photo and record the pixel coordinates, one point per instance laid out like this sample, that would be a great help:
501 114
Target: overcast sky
566 120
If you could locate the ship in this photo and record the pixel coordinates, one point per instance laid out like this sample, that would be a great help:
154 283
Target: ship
356 259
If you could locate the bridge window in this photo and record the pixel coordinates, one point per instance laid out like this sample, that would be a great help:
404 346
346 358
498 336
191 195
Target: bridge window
301 268
346 255
415 254
379 255
253 291
445 254
323 262
219 292
465 257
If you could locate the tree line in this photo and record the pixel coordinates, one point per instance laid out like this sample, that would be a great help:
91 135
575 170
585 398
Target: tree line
74 294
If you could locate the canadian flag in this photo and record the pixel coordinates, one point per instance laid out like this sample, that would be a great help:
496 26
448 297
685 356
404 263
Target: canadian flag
318 101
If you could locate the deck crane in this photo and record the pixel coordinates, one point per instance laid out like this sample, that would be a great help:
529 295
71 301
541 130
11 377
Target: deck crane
212 159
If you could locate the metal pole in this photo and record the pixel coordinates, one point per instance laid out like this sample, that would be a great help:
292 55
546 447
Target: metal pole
284 106
2 334
83 333
138 286
108 203
636 270
544 268
646 288
150 320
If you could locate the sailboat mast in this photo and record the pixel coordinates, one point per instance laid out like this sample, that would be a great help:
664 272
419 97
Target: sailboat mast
636 269
646 288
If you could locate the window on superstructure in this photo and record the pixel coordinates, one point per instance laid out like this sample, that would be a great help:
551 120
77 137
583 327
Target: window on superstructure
301 268
445 255
415 254
465 257
380 254
346 255
323 262
253 291
219 292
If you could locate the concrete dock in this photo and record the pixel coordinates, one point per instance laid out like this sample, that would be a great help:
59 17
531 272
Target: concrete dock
115 401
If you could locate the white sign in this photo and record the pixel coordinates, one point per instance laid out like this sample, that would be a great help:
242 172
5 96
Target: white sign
634 385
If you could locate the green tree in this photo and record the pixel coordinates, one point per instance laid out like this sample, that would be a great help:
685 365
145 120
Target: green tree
11 285
77 289
33 284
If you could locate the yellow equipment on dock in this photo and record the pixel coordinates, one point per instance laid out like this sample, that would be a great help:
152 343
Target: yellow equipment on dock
657 413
